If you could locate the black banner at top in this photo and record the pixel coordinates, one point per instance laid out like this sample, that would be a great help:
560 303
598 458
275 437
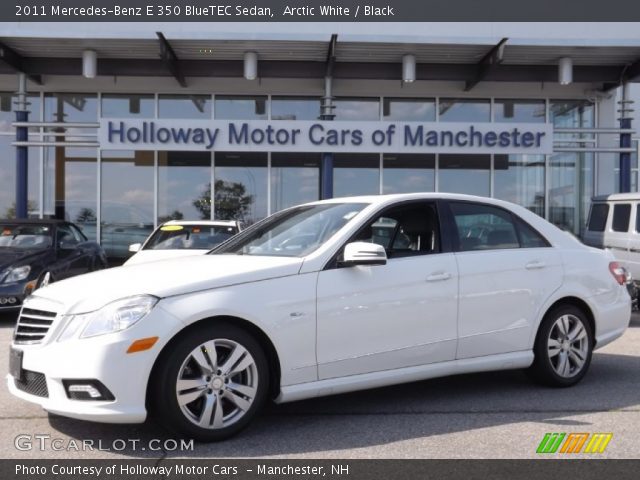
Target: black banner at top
319 11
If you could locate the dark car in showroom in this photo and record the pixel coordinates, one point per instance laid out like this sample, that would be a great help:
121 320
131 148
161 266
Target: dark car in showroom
34 253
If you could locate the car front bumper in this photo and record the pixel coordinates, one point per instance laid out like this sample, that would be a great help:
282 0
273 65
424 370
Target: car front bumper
103 358
16 291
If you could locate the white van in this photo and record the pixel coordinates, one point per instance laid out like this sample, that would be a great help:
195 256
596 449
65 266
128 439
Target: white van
614 224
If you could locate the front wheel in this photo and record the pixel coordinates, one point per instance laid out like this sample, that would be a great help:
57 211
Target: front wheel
563 347
211 384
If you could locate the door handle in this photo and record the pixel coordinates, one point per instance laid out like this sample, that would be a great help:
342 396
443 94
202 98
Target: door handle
438 277
534 265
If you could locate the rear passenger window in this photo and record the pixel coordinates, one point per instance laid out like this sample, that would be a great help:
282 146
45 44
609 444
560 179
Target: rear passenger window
621 217
529 238
638 218
598 217
483 227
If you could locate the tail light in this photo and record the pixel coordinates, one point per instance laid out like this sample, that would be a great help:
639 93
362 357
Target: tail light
618 272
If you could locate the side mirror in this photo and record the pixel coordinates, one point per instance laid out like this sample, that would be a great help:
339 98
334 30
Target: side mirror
363 253
135 247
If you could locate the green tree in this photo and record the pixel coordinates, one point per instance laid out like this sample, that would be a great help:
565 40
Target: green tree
230 199
175 215
86 215
11 211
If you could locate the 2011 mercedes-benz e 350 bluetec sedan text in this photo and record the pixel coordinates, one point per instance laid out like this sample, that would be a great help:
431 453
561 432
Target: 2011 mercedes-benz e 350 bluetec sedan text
319 299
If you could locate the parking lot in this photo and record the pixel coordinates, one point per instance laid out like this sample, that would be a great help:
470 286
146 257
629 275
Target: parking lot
490 415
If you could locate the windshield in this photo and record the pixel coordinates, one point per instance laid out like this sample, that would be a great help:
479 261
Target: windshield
25 237
189 237
295 232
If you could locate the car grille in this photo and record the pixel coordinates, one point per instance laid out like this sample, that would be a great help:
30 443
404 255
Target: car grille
34 383
33 325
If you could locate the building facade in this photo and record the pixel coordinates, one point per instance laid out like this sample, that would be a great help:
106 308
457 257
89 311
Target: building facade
117 195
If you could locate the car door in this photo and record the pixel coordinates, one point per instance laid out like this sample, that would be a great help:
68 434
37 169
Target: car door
403 313
507 271
634 242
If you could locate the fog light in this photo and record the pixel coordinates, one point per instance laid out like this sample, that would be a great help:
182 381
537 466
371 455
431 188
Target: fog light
12 300
87 390
3 300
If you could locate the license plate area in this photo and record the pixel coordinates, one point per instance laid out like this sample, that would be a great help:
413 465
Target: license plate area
15 364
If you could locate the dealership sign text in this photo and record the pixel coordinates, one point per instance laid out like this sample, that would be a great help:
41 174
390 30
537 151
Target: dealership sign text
326 136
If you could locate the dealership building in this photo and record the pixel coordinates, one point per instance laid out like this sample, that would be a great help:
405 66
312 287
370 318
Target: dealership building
121 126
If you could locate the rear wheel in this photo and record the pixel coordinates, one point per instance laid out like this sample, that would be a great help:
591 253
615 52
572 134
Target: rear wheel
212 383
563 347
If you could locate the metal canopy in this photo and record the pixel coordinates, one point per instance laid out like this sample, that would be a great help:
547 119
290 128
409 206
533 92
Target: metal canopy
15 62
469 63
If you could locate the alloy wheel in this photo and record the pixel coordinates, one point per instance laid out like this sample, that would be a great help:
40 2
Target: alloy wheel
568 346
217 384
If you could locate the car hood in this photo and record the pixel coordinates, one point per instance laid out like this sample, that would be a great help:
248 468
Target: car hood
164 278
145 256
11 256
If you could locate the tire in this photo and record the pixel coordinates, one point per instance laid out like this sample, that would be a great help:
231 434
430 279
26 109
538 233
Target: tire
560 362
189 384
45 279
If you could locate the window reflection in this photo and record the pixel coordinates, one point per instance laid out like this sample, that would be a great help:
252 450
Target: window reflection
126 204
8 179
464 110
134 105
234 107
72 189
356 174
520 179
240 189
526 111
8 115
184 106
356 109
465 174
295 108
408 173
295 179
409 109
184 186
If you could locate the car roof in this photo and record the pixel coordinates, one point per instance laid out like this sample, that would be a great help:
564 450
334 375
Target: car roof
616 197
396 197
210 223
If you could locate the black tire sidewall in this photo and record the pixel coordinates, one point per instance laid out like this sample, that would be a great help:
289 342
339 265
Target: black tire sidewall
542 369
165 402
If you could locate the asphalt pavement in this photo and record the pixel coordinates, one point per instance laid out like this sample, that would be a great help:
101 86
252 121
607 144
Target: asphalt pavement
488 415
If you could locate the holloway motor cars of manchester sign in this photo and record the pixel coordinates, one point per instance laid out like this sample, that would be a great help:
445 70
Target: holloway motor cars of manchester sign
323 136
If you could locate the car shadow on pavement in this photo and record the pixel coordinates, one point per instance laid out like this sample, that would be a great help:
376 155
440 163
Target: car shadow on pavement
404 412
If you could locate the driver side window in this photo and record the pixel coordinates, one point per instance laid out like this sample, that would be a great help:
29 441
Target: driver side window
406 230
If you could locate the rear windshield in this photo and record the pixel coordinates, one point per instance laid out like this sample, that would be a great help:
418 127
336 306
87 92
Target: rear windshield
598 217
189 237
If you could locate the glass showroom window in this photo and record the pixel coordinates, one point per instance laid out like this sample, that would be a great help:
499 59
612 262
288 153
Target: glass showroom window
408 173
571 174
356 108
520 179
184 186
464 110
233 107
73 178
8 156
524 111
464 174
295 108
295 179
68 108
409 109
356 174
184 106
240 188
126 204
134 105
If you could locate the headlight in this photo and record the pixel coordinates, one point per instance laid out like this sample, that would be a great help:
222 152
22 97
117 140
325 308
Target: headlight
113 317
17 273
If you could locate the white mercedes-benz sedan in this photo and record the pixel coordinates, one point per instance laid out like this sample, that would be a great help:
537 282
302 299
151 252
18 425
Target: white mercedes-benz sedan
320 299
